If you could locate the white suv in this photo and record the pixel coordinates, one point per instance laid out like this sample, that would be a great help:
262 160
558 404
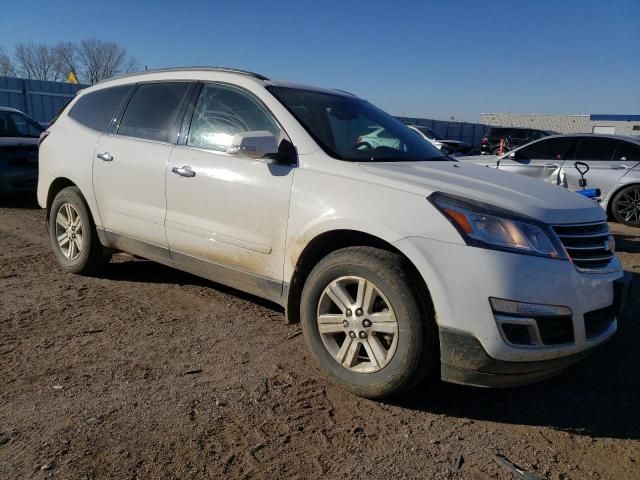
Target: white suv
397 261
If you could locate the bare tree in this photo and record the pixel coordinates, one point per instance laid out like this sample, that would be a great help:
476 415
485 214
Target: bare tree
6 65
66 55
37 62
100 60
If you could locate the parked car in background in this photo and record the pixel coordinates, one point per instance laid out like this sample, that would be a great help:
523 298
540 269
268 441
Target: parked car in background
18 152
613 162
513 137
454 147
376 137
398 261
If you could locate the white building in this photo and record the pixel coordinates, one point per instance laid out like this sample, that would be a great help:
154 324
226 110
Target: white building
613 124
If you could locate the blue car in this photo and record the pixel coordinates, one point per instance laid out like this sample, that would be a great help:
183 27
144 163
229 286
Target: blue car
19 136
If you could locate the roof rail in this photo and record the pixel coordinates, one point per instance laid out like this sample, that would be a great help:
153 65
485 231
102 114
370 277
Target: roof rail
182 69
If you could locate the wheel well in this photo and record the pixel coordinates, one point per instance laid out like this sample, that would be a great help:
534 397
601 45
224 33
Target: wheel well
611 197
57 185
328 242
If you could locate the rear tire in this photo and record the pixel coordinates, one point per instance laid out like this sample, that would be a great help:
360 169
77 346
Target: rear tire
625 206
379 339
73 234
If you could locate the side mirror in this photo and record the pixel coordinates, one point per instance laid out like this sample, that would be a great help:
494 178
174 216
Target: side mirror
512 156
254 144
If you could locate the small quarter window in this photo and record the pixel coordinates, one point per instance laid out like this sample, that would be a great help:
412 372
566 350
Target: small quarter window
96 109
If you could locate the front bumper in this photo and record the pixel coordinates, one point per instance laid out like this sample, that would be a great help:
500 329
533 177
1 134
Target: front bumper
461 279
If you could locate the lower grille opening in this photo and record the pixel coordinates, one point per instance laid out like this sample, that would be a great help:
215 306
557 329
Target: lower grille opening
555 330
598 321
517 334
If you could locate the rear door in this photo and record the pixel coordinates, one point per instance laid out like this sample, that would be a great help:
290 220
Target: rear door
130 162
541 160
609 159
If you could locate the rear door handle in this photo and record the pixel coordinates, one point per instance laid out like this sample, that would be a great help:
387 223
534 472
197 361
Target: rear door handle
105 157
184 171
618 167
551 165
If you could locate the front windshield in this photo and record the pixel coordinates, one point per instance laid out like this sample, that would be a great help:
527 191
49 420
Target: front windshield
13 124
352 129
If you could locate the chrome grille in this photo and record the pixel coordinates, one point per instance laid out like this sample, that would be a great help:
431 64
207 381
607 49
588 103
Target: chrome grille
590 245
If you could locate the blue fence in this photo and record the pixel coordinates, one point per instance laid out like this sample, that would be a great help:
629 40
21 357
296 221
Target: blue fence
468 132
39 99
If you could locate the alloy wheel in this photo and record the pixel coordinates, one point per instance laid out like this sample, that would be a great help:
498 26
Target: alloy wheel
628 206
357 324
69 231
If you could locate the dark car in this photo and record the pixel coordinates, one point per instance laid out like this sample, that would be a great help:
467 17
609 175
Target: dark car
513 137
453 146
18 152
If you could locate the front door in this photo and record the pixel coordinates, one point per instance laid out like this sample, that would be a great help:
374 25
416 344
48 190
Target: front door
541 160
227 211
130 164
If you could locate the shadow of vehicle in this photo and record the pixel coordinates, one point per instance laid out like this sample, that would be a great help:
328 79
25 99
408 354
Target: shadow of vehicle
598 397
135 269
26 201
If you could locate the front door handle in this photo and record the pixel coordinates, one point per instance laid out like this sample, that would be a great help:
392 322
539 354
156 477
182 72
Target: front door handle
618 167
551 165
105 157
184 171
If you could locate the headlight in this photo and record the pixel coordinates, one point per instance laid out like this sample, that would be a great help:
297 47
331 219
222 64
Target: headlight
492 227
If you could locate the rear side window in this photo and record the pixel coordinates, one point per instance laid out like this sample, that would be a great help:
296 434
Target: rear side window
627 151
499 132
535 134
152 111
521 135
13 124
551 149
599 149
96 109
223 111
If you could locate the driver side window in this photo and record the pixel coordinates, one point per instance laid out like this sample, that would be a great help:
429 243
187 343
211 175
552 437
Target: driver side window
223 111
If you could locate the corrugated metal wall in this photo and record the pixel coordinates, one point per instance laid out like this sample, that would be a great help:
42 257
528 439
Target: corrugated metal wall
468 132
39 99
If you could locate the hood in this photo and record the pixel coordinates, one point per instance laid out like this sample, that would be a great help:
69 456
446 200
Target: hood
522 195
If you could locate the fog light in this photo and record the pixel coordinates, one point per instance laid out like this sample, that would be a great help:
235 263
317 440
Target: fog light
509 307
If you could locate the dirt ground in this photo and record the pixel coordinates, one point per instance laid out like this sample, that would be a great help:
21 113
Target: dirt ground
146 372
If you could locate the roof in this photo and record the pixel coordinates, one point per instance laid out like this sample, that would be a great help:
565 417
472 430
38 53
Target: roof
597 135
257 76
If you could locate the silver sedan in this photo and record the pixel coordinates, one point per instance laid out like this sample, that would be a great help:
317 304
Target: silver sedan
613 163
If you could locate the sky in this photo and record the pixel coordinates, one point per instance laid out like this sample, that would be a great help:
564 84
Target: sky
434 59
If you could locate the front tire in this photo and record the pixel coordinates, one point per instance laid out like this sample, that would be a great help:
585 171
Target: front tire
366 323
626 206
73 234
